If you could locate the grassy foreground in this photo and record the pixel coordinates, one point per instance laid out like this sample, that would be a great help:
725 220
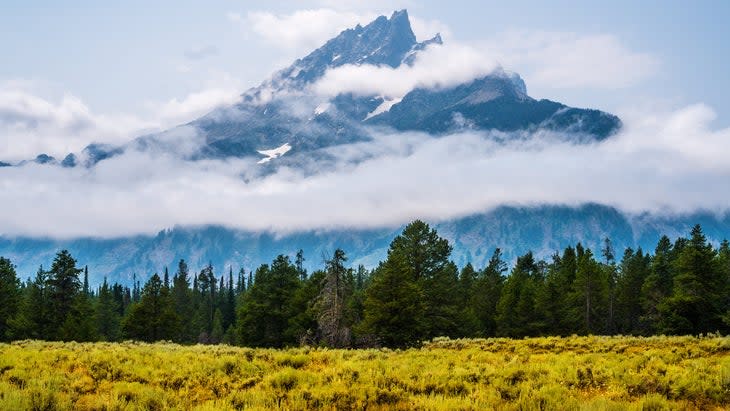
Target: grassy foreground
614 373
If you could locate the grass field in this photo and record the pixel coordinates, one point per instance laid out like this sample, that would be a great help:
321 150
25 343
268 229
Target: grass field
576 373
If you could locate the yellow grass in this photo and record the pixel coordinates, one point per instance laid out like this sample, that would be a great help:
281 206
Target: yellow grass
576 373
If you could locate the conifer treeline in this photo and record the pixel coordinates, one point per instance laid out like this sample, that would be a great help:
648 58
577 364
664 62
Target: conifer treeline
417 293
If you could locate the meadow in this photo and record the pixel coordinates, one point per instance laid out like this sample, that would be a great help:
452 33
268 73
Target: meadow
552 373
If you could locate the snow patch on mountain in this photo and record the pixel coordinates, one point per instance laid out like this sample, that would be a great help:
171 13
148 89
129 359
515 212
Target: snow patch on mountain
383 107
274 153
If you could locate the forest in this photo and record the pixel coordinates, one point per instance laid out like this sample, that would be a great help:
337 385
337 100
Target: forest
417 293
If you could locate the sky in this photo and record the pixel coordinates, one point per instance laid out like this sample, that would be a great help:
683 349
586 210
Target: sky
76 72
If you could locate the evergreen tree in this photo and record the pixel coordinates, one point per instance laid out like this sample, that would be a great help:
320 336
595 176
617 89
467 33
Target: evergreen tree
334 319
418 265
516 307
694 306
657 286
634 269
393 307
86 280
153 318
34 317
488 288
9 297
591 292
229 304
80 323
302 326
216 332
263 319
208 299
299 263
611 278
182 298
723 257
467 288
64 287
107 314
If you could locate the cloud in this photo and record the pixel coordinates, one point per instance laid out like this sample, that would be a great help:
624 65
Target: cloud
564 60
303 29
31 124
437 66
547 60
660 162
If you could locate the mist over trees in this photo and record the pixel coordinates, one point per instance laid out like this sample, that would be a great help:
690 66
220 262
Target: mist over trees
415 294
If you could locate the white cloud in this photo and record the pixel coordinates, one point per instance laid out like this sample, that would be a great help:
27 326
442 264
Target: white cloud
303 30
426 29
571 60
31 124
192 106
661 162
437 66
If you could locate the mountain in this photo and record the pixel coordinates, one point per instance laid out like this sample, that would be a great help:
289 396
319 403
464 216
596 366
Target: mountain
285 110
544 230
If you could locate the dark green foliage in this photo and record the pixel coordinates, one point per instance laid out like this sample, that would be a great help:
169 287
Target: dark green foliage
263 319
633 270
486 294
153 318
516 306
64 287
9 296
108 319
418 279
394 306
416 294
697 294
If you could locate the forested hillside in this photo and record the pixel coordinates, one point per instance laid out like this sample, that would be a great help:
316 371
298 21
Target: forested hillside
415 294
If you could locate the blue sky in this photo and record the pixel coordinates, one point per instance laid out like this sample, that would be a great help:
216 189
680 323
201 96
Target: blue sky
119 56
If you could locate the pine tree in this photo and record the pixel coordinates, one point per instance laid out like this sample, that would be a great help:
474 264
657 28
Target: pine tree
299 263
611 278
302 326
694 306
216 332
634 269
107 314
657 286
488 288
333 316
34 317
516 307
469 322
64 287
10 297
263 319
591 292
153 318
393 306
229 305
182 298
418 265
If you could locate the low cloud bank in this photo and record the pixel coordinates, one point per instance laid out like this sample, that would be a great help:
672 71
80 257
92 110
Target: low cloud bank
670 162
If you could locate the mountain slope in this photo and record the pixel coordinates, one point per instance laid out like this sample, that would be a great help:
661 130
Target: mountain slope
544 230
